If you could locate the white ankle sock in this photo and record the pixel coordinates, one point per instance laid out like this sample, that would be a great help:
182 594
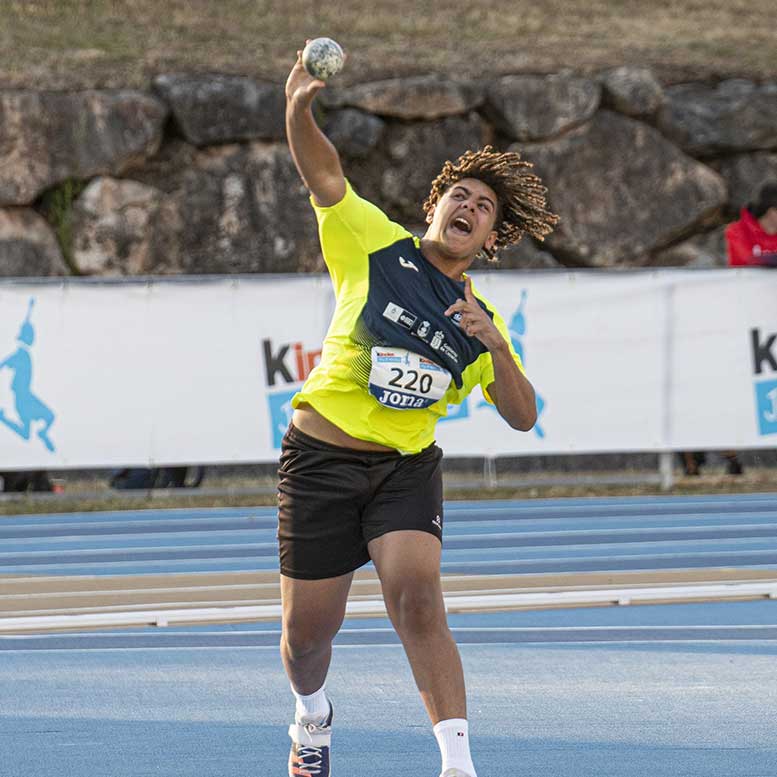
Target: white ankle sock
313 708
453 738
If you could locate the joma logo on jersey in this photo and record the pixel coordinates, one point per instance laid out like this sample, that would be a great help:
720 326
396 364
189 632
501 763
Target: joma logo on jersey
291 367
397 399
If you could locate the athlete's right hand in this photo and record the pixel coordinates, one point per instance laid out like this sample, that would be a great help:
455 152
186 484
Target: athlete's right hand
301 87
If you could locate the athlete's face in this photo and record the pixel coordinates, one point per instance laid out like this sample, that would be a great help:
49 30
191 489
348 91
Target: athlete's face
463 218
769 221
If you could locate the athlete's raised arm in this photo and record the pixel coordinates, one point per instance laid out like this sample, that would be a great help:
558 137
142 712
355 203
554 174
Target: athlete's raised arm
316 158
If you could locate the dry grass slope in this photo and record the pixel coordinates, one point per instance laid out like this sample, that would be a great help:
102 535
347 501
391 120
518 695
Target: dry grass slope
67 44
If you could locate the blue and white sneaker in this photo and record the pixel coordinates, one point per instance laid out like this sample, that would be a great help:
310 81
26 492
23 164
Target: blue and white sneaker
309 756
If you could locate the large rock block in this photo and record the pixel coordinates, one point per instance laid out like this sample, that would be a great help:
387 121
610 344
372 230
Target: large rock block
28 246
745 174
707 250
354 133
634 91
528 108
163 170
525 255
418 97
47 137
213 109
244 210
416 154
125 228
622 191
735 115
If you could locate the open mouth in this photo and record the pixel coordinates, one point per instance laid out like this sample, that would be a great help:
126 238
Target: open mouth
461 226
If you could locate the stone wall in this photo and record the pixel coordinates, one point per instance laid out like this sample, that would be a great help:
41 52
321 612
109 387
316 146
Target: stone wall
195 177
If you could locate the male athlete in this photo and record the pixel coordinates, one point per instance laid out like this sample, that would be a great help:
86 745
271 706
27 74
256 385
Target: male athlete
360 475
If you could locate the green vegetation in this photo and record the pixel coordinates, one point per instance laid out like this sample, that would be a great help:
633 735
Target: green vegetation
57 208
66 44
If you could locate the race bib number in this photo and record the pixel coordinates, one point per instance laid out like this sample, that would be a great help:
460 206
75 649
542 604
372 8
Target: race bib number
405 380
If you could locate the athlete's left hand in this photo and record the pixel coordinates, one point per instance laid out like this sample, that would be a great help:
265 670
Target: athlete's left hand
475 322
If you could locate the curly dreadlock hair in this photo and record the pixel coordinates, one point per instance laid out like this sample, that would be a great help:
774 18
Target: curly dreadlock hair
522 207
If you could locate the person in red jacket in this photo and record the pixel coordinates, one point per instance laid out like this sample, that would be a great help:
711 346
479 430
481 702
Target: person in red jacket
752 241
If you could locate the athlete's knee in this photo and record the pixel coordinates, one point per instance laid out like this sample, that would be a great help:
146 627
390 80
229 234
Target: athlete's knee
416 610
303 638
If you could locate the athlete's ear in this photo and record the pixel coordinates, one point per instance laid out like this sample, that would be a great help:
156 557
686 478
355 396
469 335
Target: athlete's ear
490 240
430 215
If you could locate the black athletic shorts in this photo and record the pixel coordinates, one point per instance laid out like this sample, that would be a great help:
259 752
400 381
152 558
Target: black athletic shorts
333 501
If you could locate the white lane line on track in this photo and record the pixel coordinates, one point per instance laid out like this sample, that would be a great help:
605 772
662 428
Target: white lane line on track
398 646
348 630
470 639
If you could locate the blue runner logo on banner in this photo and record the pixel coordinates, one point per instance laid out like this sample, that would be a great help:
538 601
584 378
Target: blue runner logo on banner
766 402
517 328
27 406
285 365
280 414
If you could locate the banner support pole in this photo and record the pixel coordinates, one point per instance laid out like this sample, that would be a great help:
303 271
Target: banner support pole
489 472
666 456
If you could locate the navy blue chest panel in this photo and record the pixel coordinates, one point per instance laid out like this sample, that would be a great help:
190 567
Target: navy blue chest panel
405 308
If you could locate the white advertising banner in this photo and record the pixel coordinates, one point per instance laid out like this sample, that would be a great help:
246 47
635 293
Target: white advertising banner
103 375
723 360
109 374
593 347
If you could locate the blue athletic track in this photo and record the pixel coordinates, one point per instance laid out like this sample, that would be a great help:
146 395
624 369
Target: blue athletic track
650 690
542 536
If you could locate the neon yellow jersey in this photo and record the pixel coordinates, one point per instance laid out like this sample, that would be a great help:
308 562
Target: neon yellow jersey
390 352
